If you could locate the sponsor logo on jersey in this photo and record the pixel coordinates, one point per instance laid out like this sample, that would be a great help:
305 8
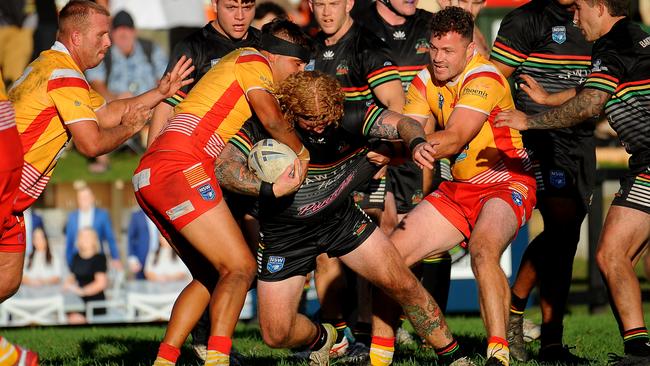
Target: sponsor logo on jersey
399 35
360 228
559 34
207 192
597 66
441 100
275 264
517 198
476 92
421 46
645 42
328 55
557 178
214 61
342 68
417 197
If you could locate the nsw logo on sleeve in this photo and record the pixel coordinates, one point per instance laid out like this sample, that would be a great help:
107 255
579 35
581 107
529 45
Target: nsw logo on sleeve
559 34
275 264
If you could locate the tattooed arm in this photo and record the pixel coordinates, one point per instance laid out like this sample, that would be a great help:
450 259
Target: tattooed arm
586 104
231 170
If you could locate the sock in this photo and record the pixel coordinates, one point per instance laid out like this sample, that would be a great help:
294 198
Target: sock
167 355
448 353
636 341
8 353
517 304
436 278
340 326
498 348
362 333
321 338
551 335
218 351
381 351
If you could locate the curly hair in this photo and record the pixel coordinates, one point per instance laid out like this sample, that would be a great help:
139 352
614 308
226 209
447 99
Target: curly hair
452 19
311 95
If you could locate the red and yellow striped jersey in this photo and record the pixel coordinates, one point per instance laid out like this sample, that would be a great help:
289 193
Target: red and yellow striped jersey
494 154
217 106
51 94
10 149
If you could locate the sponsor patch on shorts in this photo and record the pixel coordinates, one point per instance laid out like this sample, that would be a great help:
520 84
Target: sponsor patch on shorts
141 179
180 210
517 198
275 263
557 178
207 192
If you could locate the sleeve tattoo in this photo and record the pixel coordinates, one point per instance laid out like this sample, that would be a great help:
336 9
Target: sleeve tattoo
231 169
391 125
586 104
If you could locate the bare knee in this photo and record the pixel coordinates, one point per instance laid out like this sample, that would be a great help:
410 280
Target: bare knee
241 270
275 335
608 255
483 260
401 288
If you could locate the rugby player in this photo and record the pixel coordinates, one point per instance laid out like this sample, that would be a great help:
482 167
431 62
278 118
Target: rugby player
54 104
176 187
538 42
620 70
323 218
492 192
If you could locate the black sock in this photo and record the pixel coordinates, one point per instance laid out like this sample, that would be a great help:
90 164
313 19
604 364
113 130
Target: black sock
517 304
436 274
321 337
636 341
362 333
551 335
448 353
340 326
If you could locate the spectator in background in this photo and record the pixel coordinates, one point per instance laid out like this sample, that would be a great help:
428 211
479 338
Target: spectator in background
32 222
164 264
15 41
89 216
43 267
45 32
142 239
88 277
266 12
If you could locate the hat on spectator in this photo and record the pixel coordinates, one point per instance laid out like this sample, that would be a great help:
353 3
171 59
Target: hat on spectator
123 19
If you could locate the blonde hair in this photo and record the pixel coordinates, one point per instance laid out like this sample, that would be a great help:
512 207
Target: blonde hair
76 13
305 92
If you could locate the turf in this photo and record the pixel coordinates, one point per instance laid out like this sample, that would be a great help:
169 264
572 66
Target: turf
592 335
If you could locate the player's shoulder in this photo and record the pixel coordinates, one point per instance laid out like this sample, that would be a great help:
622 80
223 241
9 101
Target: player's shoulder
485 71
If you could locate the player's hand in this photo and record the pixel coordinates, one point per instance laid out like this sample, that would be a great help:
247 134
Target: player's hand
423 155
176 79
289 181
535 91
512 118
378 157
136 116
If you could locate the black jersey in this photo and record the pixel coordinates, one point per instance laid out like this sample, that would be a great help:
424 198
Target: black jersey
621 67
539 39
206 47
360 61
338 164
408 43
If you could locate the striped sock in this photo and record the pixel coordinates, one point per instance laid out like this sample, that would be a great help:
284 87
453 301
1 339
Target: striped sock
498 348
340 326
381 351
636 342
218 351
167 355
448 353
517 304
8 353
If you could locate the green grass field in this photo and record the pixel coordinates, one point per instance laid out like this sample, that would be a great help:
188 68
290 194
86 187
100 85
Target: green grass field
592 335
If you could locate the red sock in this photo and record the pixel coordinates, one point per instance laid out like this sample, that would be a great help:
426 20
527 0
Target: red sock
220 344
168 352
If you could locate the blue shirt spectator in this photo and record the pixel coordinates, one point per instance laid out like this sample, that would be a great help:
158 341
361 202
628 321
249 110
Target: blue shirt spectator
142 240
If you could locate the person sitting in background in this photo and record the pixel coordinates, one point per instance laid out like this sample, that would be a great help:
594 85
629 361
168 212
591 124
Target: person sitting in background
42 267
88 277
142 236
88 215
164 264
266 12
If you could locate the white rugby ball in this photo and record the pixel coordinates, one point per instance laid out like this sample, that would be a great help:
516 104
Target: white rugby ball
269 158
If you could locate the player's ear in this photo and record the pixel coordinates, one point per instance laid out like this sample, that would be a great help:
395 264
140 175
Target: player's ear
471 47
349 4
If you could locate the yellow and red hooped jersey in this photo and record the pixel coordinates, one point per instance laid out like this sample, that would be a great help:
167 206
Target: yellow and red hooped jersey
51 94
494 154
217 106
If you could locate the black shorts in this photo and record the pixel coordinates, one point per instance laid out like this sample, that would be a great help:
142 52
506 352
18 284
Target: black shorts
405 182
372 194
564 166
635 190
288 250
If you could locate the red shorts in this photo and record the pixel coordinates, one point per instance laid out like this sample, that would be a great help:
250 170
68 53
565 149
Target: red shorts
12 239
171 187
461 203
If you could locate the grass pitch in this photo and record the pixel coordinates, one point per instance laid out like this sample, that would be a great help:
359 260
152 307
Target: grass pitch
594 336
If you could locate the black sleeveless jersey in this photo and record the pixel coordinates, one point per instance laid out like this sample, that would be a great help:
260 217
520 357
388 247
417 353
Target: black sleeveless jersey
206 47
621 67
338 165
408 43
539 39
360 61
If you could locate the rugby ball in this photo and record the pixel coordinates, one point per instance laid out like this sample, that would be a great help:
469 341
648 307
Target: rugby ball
269 158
